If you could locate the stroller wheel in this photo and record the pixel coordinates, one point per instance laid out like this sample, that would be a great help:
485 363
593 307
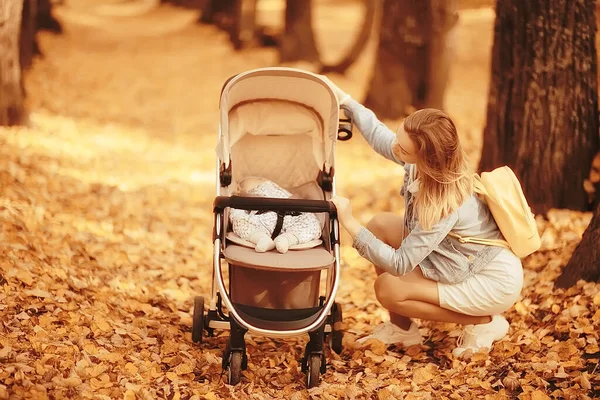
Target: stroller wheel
235 367
198 319
335 340
314 370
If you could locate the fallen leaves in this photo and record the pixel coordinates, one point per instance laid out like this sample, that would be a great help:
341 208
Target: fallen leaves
106 239
96 306
424 374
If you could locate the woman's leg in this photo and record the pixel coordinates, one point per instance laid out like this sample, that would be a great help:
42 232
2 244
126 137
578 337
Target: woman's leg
414 296
387 227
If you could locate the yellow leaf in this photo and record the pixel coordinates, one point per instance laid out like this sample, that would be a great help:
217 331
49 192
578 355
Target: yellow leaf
539 395
424 374
521 308
172 376
90 348
96 370
5 351
131 369
597 299
72 381
210 396
376 346
374 356
183 369
103 325
480 356
37 293
129 395
584 382
25 276
561 374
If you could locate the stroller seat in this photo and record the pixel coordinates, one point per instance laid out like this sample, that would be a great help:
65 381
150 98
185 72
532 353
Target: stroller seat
314 259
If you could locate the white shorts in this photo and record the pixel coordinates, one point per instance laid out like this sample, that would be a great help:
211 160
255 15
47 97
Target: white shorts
491 291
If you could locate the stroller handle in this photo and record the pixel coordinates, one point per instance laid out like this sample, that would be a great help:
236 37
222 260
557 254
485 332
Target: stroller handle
274 204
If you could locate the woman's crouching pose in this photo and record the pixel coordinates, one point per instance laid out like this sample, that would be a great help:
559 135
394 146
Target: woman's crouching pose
423 272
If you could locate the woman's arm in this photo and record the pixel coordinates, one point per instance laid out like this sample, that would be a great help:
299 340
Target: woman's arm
414 249
379 136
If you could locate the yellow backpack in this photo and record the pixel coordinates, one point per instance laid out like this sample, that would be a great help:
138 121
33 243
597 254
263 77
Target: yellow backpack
502 192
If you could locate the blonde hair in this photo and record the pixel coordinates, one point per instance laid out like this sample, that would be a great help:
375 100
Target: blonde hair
445 175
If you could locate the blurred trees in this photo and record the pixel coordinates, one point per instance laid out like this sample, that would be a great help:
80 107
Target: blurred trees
542 117
36 15
297 42
371 8
19 22
298 39
237 17
11 93
412 64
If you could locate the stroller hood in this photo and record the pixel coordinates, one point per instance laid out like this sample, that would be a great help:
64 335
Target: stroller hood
260 102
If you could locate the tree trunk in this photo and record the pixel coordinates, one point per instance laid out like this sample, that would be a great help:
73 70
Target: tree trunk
412 65
359 44
212 8
44 19
244 25
585 262
542 117
298 40
27 45
12 109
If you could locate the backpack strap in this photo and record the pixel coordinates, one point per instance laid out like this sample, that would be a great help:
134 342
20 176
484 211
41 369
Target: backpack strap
479 188
487 242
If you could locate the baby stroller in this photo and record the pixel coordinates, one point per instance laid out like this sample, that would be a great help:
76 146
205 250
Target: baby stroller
280 124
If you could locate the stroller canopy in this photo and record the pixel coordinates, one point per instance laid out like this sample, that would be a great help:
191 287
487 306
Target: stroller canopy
279 101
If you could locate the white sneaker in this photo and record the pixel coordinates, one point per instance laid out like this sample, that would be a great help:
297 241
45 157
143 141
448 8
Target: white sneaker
476 337
389 333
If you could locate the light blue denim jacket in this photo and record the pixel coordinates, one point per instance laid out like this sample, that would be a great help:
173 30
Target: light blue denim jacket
440 257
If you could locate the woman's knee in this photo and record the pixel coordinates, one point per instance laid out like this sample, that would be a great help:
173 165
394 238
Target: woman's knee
378 223
389 290
387 227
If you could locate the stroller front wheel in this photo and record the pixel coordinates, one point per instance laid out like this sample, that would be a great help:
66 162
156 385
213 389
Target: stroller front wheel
198 319
235 367
313 374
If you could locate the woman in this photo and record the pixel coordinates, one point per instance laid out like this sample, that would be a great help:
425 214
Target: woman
424 273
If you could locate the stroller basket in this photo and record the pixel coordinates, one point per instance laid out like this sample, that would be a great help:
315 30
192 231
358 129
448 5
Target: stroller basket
285 320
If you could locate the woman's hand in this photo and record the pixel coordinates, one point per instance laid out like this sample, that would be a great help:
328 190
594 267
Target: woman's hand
344 212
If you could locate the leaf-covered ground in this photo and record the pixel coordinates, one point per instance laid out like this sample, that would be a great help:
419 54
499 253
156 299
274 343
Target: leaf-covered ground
106 222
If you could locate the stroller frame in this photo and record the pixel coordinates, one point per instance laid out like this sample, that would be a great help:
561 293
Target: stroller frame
326 321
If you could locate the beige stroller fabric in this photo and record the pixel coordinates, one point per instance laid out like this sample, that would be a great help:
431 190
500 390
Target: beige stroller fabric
297 106
276 140
279 124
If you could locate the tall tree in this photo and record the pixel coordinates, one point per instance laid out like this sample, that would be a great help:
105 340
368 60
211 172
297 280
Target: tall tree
298 40
27 44
12 110
360 43
585 262
542 117
412 65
